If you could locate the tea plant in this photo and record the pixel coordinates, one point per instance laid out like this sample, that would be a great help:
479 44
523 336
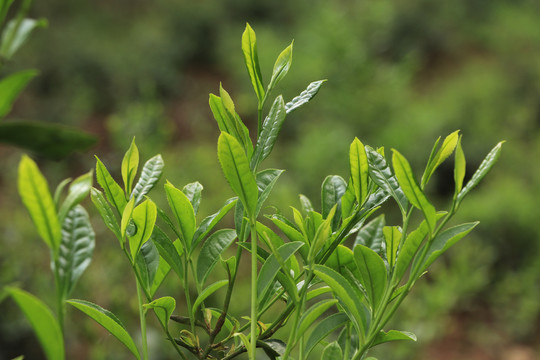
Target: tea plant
334 270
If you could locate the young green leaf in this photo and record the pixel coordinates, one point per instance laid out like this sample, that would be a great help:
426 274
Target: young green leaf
10 88
392 238
270 130
212 288
107 215
150 175
16 33
411 189
341 258
307 207
76 248
348 296
126 218
332 352
58 191
333 188
183 211
130 164
211 250
291 233
144 218
409 249
392 335
249 48
312 314
43 322
193 192
266 180
163 307
359 170
281 67
78 190
161 273
381 175
460 165
210 222
324 328
147 264
482 171
35 195
447 147
235 166
108 320
371 235
113 191
304 97
372 272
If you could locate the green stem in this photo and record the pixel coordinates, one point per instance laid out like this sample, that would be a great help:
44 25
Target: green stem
254 300
143 322
60 308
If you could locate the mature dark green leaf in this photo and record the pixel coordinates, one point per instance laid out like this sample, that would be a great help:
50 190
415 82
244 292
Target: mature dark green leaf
270 130
312 314
266 180
392 335
235 166
16 33
49 140
76 248
183 212
163 307
273 348
109 219
147 263
210 222
108 320
43 322
212 288
323 329
37 198
193 192
211 250
447 147
371 235
144 217
249 48
78 190
161 273
304 97
332 352
10 88
333 188
168 251
482 171
372 272
113 191
130 164
381 175
411 189
150 174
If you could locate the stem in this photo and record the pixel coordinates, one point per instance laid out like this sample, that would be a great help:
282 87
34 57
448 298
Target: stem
188 298
60 308
143 322
254 301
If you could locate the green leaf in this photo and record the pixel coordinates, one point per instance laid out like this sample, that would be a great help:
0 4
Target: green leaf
130 164
266 180
37 198
16 33
147 264
304 97
43 322
161 273
163 307
193 192
312 314
291 233
50 140
359 170
345 293
168 251
372 273
460 165
183 211
323 329
392 238
333 188
211 250
393 335
381 175
445 240
235 166
10 88
341 258
371 235
272 266
332 352
273 348
270 130
108 320
126 218
106 212
212 288
412 190
249 48
76 248
113 191
144 218
211 221
58 191
307 207
482 171
281 67
150 174
447 147
78 190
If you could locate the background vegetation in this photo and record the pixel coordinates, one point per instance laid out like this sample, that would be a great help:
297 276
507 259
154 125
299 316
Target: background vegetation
400 73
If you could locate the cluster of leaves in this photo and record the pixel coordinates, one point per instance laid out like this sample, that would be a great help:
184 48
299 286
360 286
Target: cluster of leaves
335 271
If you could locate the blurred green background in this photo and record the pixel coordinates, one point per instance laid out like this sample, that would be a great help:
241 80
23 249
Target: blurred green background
400 73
